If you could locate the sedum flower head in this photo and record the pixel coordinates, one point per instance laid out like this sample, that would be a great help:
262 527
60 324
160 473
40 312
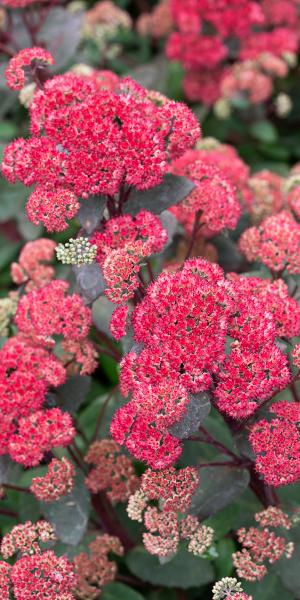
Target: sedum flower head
229 587
76 252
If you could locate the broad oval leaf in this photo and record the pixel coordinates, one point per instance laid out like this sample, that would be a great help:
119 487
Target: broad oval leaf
270 588
119 591
69 515
183 571
90 281
197 410
218 487
91 213
172 190
61 34
73 393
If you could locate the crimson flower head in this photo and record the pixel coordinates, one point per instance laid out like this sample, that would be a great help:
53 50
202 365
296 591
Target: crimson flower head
34 60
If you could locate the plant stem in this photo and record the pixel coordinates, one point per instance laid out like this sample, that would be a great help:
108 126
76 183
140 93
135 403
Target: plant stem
109 520
16 488
102 412
196 228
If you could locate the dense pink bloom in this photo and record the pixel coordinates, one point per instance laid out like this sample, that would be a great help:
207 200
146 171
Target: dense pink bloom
42 574
233 48
118 322
5 570
203 85
31 268
296 355
113 472
49 311
275 298
276 42
121 269
225 158
52 207
38 433
214 195
261 545
94 569
57 482
83 352
196 52
246 78
249 378
89 140
175 488
123 231
267 198
276 243
277 444
29 57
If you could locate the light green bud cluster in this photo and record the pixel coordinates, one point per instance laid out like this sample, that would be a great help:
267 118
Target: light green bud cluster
225 587
76 252
8 307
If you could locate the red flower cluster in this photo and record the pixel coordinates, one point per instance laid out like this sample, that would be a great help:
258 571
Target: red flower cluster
172 490
277 444
35 573
182 311
120 247
233 48
262 544
57 482
113 472
276 243
214 197
26 59
88 140
29 367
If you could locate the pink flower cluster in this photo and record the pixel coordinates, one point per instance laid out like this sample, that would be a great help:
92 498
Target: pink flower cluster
35 573
182 311
214 197
29 368
31 268
261 545
90 140
275 242
58 481
121 245
172 490
94 569
277 444
29 59
233 48
113 472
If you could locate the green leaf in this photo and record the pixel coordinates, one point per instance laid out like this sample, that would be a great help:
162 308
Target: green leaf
264 131
289 572
172 190
72 394
183 571
270 588
69 515
119 591
219 487
223 562
197 410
